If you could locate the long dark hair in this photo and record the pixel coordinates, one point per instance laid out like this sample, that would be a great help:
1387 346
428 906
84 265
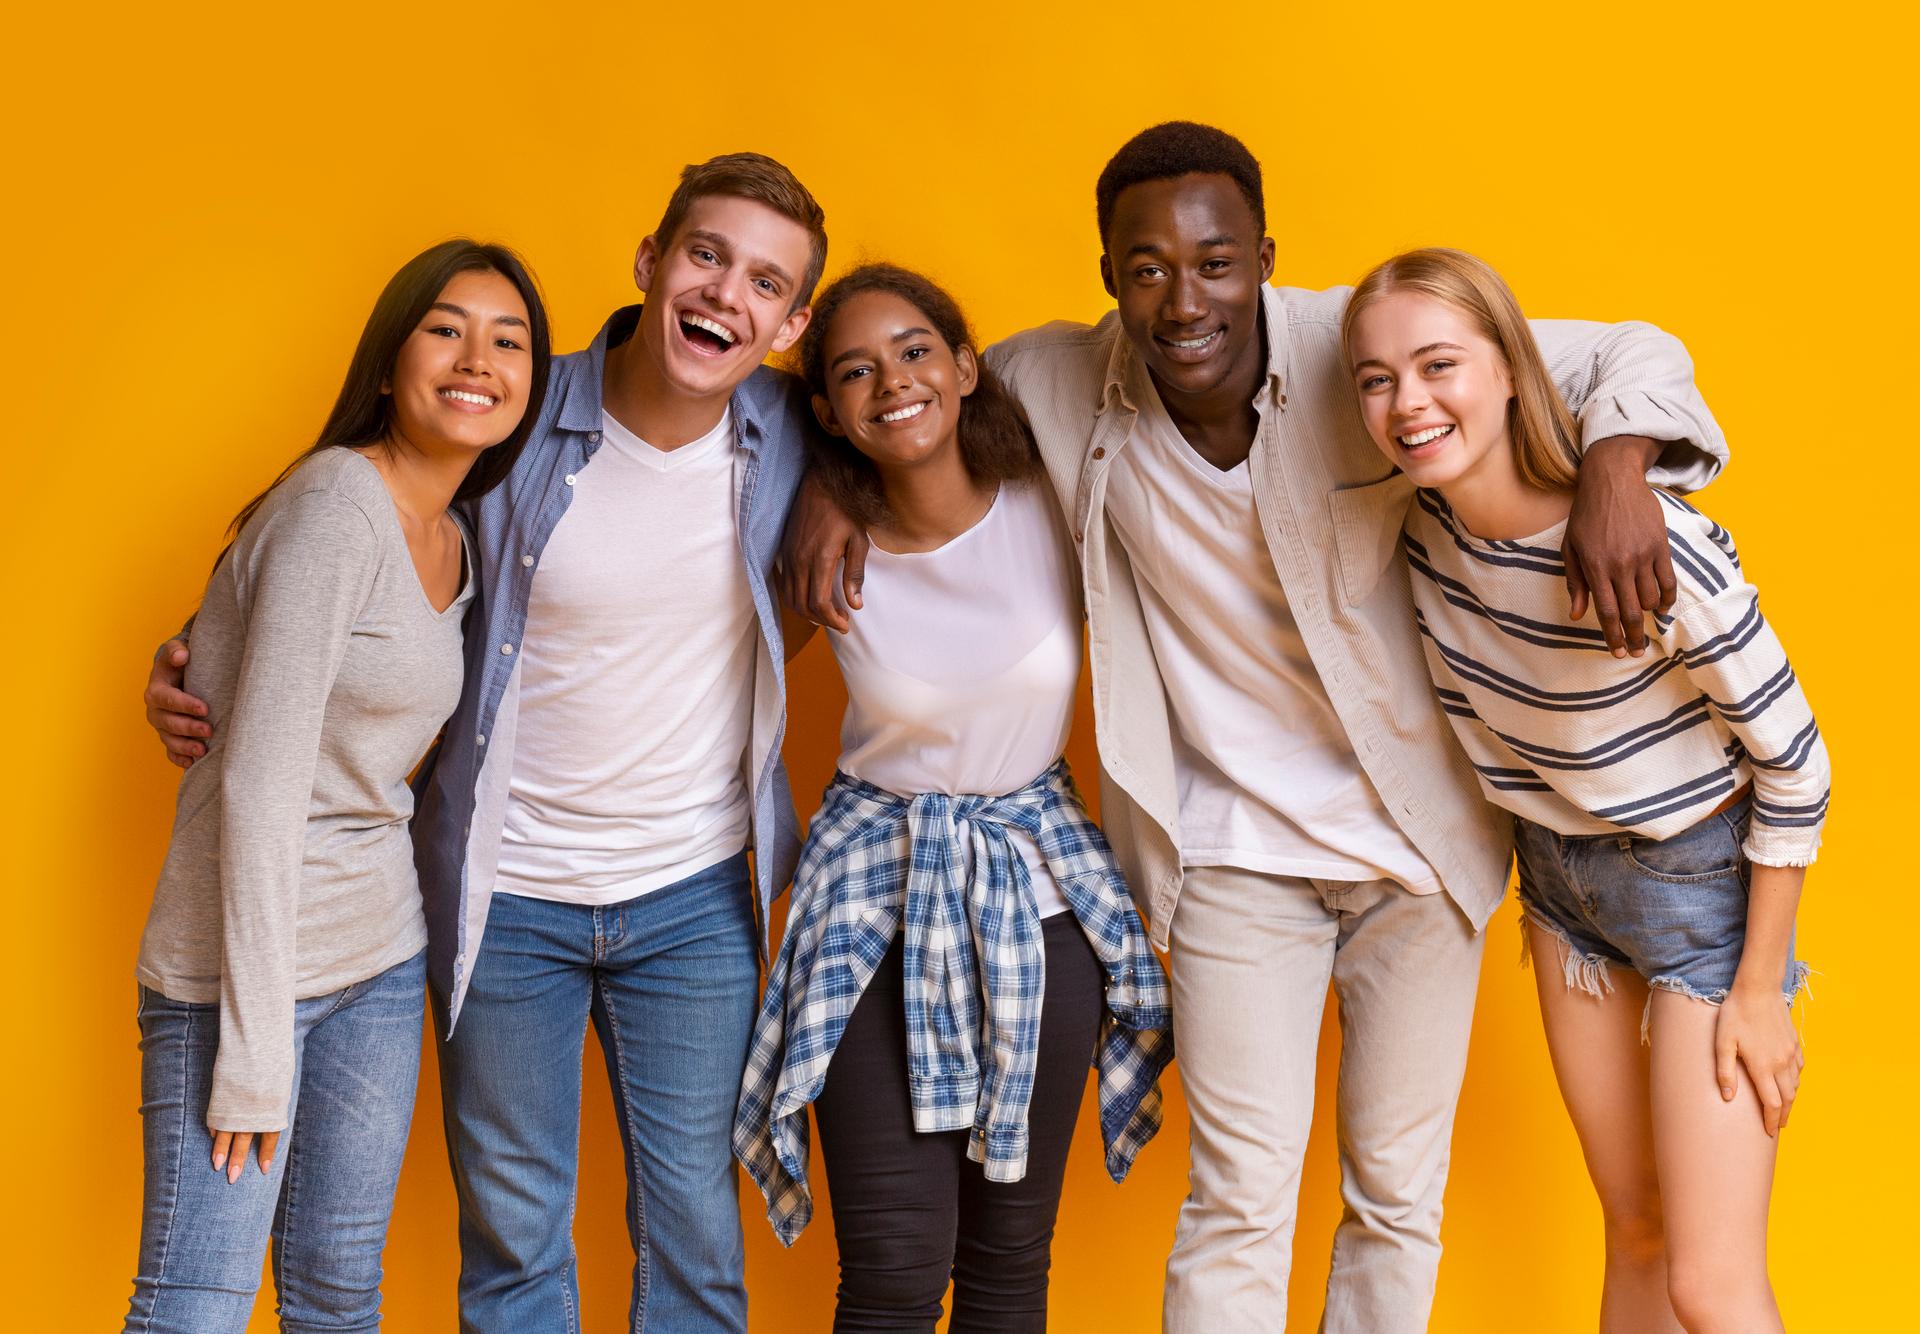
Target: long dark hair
362 414
996 443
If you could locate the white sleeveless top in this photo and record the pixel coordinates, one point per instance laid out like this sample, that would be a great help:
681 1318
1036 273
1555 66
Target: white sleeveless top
962 663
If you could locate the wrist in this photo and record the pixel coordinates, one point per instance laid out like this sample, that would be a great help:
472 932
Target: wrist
1752 984
1627 454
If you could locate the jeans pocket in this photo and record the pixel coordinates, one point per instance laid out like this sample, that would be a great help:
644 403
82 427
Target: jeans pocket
1702 852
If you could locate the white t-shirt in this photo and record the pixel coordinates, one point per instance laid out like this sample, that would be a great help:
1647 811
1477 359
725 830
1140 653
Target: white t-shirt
636 680
1268 778
962 663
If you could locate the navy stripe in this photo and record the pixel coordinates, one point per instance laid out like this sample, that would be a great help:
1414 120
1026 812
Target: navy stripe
1796 752
1540 560
1685 718
1673 799
1574 701
1464 597
1755 704
1775 808
1709 651
1694 802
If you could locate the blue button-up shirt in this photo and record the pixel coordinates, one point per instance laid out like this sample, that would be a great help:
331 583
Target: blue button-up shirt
463 790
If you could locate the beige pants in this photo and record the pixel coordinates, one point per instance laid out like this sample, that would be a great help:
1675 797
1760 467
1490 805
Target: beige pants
1252 955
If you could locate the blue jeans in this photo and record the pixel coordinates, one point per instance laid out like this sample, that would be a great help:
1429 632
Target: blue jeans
327 1199
670 981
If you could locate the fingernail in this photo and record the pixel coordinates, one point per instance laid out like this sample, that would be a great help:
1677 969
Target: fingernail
1726 1091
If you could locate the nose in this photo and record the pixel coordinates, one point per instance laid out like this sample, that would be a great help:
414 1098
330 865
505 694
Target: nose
1410 398
1183 304
896 378
723 288
476 354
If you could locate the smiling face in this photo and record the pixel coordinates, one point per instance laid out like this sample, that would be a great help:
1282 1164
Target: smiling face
1186 261
894 386
463 375
1433 389
721 292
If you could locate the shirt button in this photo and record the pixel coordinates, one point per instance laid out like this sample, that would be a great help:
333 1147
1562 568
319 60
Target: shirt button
1283 400
1079 536
569 479
593 437
527 561
506 650
481 739
1100 453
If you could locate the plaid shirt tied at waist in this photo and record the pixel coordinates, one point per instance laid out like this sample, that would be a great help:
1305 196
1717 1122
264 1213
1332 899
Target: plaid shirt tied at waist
975 975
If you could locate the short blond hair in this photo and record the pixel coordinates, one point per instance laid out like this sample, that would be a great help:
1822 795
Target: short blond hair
1546 440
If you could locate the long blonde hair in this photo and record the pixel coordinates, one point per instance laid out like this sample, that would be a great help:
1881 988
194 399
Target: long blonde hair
1545 438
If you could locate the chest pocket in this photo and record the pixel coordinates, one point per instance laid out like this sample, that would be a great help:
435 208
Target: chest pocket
1366 531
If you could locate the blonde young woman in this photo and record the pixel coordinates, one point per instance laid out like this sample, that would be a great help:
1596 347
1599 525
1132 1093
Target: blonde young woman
1666 806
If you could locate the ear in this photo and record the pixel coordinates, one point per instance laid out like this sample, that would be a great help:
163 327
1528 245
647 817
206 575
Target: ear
644 260
969 369
823 413
1106 276
791 328
1266 259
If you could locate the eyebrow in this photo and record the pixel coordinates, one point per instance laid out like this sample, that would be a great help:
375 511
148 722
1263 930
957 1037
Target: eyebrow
462 312
720 242
1211 243
901 337
1417 352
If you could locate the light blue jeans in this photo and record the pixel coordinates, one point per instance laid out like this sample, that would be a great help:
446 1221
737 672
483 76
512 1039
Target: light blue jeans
329 1194
670 982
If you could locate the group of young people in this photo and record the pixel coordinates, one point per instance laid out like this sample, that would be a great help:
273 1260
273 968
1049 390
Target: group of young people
1375 591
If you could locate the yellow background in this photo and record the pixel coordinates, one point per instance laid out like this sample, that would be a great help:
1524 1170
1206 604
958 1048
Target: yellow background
207 198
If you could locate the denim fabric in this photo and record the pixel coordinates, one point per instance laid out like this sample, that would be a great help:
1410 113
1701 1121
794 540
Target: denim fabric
327 1199
462 785
669 981
1674 910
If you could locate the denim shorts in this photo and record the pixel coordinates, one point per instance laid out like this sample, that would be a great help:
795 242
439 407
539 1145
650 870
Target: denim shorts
1672 909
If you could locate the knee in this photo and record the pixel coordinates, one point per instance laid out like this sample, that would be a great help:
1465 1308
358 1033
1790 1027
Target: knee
1636 1232
907 1286
1712 1293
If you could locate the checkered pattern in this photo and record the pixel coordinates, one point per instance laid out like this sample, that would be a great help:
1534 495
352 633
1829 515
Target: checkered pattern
975 976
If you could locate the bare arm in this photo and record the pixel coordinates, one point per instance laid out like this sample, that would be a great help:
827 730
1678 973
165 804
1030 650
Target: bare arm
820 542
1755 1028
1631 385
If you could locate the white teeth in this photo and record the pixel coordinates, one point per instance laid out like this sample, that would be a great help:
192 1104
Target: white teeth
462 396
1194 342
718 331
1427 436
904 413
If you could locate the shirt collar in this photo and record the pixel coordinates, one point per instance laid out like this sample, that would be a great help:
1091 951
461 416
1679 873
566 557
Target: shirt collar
1127 378
581 405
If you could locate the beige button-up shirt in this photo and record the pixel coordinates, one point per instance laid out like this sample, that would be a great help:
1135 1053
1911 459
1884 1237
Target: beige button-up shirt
1331 509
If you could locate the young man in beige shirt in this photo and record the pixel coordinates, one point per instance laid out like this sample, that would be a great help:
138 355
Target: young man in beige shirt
1274 763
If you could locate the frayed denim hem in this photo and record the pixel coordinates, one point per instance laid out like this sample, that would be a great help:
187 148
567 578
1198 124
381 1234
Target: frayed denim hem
1582 972
1795 985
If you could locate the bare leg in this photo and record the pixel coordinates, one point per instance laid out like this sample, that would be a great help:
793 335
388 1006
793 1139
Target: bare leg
1603 1073
1716 1174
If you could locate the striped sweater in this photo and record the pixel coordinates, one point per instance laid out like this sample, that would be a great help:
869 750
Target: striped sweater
1566 735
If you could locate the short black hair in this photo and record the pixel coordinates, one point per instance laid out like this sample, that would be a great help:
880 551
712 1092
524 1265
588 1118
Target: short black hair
1179 148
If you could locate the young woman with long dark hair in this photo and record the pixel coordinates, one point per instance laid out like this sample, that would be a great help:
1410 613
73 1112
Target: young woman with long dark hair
960 943
282 970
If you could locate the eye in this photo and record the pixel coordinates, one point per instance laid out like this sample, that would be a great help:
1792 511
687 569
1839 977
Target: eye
509 344
854 373
1436 367
767 285
1148 272
915 353
1373 382
704 255
1216 265
442 331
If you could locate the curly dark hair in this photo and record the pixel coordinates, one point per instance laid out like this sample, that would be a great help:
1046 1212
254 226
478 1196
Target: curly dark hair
996 443
1178 148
